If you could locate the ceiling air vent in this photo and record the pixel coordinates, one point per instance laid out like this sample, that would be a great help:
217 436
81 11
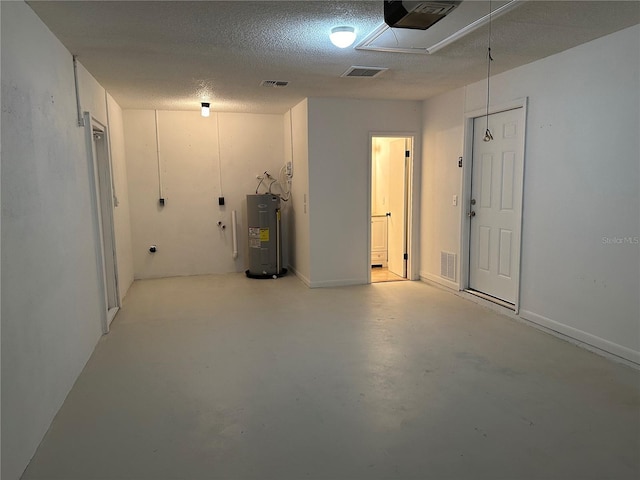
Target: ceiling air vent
274 83
364 72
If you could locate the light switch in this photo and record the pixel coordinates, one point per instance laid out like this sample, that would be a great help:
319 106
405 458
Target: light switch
454 202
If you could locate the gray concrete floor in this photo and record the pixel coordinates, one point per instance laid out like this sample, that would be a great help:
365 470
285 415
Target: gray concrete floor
225 377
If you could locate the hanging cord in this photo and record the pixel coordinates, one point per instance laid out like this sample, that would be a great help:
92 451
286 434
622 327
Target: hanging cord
261 178
291 141
284 182
487 134
271 184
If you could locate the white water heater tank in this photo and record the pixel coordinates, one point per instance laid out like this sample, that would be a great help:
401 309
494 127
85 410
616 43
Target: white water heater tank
265 243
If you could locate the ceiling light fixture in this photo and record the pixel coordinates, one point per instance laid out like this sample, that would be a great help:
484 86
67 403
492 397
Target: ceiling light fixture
343 36
205 109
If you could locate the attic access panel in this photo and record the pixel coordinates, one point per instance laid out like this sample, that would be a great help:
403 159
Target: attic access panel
468 16
418 15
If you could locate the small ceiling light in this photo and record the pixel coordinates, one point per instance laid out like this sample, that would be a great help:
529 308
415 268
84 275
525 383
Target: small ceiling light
342 37
205 109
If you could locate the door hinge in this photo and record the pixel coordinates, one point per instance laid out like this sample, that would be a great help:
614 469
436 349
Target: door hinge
407 153
406 257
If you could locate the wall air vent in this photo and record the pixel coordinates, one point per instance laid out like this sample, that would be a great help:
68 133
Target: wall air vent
364 72
417 15
448 265
274 83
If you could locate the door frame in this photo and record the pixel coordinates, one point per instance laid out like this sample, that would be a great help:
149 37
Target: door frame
467 169
98 185
411 199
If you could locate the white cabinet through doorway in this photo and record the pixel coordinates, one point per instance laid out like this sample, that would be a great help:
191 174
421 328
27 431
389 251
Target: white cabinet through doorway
379 240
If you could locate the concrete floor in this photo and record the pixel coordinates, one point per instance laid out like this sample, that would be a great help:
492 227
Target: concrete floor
225 377
382 274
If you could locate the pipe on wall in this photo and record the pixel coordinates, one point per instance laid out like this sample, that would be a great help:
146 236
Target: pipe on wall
77 88
234 234
160 185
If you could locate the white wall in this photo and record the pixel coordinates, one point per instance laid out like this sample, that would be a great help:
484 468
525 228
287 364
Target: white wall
185 230
51 287
582 186
339 182
442 145
296 126
103 107
121 220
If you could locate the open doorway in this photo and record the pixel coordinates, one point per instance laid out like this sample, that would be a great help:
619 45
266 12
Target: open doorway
391 161
100 163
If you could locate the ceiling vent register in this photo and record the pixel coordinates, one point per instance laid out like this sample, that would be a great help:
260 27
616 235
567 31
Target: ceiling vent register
364 72
274 83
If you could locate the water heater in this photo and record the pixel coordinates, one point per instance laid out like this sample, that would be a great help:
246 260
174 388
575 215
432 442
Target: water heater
265 243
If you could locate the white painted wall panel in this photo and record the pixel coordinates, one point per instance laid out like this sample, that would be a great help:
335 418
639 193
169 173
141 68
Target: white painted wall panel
185 230
442 142
121 218
296 126
339 160
92 97
51 292
582 187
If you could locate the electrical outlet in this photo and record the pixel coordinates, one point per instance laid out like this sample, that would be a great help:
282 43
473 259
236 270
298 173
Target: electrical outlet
454 202
289 169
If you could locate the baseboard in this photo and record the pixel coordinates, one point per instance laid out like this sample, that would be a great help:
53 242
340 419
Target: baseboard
430 278
338 283
587 340
583 339
302 278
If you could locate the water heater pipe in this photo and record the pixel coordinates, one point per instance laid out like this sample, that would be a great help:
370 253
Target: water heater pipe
77 87
278 260
234 234
160 190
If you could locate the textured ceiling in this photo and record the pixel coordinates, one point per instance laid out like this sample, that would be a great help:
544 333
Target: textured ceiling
174 54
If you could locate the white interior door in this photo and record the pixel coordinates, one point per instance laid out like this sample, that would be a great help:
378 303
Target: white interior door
496 205
397 230
104 194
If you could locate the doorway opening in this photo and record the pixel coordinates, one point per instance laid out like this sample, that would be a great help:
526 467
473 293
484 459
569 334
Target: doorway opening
493 215
100 163
391 166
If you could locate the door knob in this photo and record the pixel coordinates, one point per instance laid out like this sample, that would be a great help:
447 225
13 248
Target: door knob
471 214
